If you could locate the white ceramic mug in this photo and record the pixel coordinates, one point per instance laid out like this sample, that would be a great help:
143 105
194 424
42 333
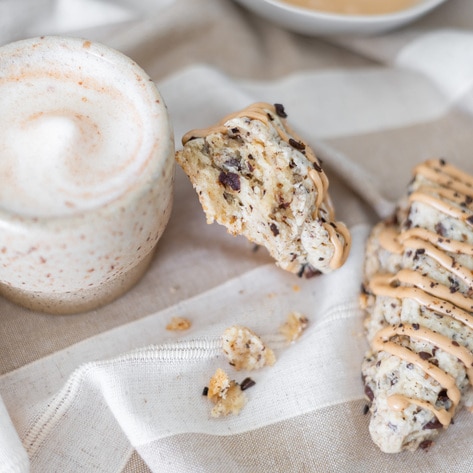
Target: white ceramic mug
86 169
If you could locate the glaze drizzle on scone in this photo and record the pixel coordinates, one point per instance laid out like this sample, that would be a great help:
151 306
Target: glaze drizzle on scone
254 175
418 293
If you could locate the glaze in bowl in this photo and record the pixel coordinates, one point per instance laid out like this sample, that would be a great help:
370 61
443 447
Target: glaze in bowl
314 23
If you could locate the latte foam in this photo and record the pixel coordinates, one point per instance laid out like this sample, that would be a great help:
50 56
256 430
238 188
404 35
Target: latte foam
72 136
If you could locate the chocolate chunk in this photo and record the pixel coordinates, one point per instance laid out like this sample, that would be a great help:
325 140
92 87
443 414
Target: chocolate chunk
369 393
310 272
297 144
301 271
230 179
274 229
415 326
317 166
247 383
425 355
454 285
433 424
453 289
426 444
420 251
440 229
470 220
366 409
205 391
280 110
442 396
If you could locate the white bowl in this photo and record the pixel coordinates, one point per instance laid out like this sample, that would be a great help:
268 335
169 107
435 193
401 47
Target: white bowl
312 22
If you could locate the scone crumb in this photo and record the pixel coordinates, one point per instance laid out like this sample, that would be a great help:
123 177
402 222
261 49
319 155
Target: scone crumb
295 324
218 385
245 350
178 323
233 403
226 394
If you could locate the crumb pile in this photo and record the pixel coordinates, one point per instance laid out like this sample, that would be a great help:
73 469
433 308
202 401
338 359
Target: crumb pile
245 350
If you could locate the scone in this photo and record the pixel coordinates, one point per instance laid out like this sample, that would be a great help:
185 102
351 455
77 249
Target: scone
418 292
257 178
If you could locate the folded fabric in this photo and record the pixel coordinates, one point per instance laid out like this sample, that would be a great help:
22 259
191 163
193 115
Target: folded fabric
154 392
13 457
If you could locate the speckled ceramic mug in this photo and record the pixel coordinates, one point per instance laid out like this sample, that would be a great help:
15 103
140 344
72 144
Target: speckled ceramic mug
86 168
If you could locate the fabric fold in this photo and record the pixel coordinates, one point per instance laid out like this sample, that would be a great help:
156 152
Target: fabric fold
13 457
154 392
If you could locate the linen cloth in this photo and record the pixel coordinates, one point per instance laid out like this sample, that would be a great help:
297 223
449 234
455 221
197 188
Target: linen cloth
112 390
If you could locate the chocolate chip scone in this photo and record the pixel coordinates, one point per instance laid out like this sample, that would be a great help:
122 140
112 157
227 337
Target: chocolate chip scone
256 177
418 292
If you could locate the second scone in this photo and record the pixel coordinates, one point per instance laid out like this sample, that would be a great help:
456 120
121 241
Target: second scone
257 178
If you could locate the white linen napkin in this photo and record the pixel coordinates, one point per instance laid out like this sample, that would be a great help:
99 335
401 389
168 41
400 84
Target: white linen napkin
13 457
91 416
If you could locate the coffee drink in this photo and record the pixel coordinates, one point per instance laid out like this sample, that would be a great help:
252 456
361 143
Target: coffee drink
87 167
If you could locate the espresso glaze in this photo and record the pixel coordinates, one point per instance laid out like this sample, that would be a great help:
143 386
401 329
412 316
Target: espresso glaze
398 402
381 342
435 201
449 192
267 113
